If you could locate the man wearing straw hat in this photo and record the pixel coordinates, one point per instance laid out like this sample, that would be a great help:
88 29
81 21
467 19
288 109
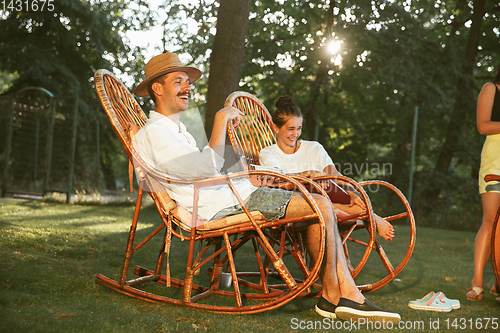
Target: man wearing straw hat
165 145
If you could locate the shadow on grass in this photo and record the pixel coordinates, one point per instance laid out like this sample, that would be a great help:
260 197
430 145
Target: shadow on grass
51 254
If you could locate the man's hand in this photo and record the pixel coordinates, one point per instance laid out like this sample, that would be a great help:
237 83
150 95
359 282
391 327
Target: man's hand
314 173
229 113
218 138
323 183
261 180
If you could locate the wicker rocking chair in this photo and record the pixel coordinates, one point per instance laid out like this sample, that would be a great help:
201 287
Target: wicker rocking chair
253 133
272 248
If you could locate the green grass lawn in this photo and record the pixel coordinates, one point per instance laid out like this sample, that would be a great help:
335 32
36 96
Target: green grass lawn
51 254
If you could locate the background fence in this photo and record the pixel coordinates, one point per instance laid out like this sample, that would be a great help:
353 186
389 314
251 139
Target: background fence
51 147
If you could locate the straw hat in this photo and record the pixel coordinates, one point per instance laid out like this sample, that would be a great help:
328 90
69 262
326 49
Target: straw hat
163 64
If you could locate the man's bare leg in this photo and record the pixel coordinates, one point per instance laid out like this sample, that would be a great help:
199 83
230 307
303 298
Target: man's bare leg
338 285
334 274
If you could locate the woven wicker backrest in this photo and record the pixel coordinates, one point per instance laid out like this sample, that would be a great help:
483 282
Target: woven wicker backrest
254 131
127 118
120 106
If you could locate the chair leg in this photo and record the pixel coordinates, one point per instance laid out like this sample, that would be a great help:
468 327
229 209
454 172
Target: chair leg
263 270
298 254
188 276
161 255
277 262
217 269
131 236
230 258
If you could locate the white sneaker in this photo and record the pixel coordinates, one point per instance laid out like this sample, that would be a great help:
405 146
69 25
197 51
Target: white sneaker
431 302
455 303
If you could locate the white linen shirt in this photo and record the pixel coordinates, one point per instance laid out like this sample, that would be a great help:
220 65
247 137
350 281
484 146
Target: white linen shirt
171 150
310 156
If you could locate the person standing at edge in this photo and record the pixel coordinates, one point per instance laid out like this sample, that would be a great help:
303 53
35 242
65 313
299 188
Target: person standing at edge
488 122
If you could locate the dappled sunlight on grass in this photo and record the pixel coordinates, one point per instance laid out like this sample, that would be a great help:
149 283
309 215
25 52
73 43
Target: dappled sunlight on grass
52 253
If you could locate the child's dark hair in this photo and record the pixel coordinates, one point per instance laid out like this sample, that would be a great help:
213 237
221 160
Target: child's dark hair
285 109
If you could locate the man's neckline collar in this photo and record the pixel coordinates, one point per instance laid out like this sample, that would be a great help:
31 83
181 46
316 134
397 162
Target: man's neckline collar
161 117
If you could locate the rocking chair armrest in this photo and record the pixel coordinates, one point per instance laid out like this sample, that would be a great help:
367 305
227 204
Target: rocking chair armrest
144 171
351 182
223 179
141 167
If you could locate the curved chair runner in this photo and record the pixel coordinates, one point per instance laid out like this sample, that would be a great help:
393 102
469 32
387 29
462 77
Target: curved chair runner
212 245
495 236
253 133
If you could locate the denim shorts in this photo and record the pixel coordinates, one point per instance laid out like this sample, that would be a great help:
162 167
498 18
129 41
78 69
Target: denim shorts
271 202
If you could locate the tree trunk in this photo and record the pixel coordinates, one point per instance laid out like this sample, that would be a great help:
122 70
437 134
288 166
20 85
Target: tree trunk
105 159
310 116
462 103
227 55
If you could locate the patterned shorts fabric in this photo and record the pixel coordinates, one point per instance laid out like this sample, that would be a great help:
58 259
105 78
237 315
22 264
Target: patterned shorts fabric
271 202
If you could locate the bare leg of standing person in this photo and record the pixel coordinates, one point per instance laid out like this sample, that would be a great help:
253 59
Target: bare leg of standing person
482 245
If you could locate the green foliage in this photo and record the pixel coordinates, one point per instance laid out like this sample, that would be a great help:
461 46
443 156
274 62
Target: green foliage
393 57
60 50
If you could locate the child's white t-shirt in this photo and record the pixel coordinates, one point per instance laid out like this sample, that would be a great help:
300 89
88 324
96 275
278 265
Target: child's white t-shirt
310 156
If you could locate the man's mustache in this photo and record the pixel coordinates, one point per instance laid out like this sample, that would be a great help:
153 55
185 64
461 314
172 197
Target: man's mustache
187 93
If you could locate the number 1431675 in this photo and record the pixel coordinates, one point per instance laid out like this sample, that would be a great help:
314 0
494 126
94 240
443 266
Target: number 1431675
472 324
26 5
